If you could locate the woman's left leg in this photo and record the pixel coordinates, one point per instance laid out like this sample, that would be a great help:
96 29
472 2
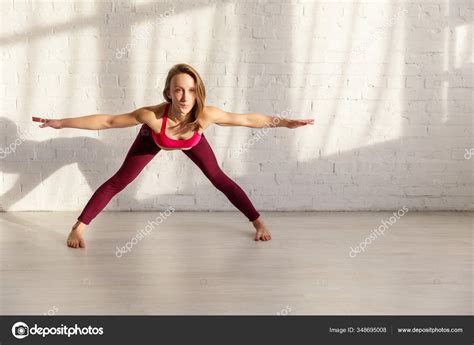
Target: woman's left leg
204 157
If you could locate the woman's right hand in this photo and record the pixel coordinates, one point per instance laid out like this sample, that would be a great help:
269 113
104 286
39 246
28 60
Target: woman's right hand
48 123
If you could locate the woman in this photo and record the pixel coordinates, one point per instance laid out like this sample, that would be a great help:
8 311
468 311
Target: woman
177 124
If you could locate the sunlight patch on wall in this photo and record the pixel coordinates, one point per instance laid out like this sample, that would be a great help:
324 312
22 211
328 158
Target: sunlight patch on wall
355 80
463 51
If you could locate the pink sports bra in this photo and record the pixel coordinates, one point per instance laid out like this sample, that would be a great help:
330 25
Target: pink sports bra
162 140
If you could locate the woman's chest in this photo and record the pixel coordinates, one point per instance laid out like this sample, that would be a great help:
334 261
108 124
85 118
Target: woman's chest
172 130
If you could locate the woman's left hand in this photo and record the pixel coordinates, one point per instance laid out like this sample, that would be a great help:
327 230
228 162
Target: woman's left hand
298 123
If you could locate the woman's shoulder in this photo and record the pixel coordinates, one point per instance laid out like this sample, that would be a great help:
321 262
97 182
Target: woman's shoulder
210 113
210 109
207 117
213 115
157 110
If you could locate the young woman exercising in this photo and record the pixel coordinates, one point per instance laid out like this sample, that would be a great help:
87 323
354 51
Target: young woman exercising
177 124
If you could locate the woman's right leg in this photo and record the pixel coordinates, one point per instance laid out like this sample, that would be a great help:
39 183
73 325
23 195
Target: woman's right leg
142 151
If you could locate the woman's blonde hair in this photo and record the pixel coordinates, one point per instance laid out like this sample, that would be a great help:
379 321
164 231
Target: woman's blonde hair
198 107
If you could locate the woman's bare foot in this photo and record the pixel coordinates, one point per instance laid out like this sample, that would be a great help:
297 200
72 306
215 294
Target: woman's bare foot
75 239
262 232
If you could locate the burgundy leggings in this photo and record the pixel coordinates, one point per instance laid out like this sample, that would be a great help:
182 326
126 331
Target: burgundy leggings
142 151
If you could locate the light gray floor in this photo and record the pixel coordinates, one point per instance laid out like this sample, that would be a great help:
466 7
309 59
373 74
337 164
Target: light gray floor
208 263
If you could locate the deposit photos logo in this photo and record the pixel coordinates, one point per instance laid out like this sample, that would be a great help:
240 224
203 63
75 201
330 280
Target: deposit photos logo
378 231
21 330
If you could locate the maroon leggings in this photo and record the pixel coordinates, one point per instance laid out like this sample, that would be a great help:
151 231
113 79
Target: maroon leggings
142 151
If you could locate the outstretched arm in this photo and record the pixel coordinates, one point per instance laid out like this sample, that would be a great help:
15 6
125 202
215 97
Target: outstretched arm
254 120
98 121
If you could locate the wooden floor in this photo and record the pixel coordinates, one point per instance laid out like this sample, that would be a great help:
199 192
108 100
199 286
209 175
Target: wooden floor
207 263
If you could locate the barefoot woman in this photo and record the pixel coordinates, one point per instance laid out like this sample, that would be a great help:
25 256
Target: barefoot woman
177 124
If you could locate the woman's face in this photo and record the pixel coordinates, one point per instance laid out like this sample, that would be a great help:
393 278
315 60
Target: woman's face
182 92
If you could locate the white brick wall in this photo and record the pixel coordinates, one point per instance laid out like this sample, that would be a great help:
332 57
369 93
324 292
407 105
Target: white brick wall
390 85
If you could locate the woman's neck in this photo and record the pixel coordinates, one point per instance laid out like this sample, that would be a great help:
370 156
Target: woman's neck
177 116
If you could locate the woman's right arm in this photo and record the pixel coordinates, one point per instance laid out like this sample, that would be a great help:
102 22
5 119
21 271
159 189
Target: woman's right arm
101 121
98 121
134 118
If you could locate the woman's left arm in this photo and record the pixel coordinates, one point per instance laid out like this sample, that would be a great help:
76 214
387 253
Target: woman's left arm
254 120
